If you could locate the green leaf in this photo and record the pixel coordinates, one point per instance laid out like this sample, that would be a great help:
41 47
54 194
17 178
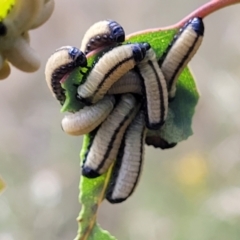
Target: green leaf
181 110
176 129
179 120
92 193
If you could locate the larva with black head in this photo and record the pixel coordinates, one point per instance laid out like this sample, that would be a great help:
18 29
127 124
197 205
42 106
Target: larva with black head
106 143
103 33
127 169
181 50
88 118
109 69
59 65
128 83
154 90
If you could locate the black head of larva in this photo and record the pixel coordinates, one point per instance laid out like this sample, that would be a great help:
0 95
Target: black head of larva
78 57
3 29
89 173
197 25
139 51
118 34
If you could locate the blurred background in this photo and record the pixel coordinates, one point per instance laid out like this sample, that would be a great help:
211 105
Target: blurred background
191 192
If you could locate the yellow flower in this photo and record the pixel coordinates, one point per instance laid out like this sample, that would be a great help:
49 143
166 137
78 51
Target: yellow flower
21 16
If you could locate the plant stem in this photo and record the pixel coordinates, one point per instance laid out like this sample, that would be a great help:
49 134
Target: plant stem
203 11
208 9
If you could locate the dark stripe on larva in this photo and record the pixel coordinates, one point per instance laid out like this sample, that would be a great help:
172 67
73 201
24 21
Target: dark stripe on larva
91 138
117 170
127 106
60 63
110 72
185 57
160 90
110 146
57 75
191 34
103 33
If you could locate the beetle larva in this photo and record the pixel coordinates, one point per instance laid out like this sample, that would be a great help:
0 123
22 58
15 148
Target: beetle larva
109 68
127 169
88 118
100 34
155 90
180 52
106 143
59 65
128 83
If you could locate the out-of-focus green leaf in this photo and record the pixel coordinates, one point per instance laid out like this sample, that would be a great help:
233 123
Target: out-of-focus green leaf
176 129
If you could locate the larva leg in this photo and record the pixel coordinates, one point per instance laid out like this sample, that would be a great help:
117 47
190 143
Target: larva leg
59 65
128 83
180 52
88 118
127 169
106 143
155 90
103 33
109 69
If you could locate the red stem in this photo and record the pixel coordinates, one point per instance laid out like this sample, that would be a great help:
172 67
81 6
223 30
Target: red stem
203 11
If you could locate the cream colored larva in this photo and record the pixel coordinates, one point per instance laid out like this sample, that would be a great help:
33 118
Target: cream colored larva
88 118
180 52
127 169
155 90
109 68
60 63
128 83
107 140
100 34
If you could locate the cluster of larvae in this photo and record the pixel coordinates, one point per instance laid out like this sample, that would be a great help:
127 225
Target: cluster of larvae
125 93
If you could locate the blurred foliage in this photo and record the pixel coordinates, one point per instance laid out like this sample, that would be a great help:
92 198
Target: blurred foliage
174 200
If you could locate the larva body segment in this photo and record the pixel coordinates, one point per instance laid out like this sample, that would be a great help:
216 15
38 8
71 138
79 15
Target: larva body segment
155 90
180 52
128 83
100 34
106 143
109 69
88 118
59 65
127 169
